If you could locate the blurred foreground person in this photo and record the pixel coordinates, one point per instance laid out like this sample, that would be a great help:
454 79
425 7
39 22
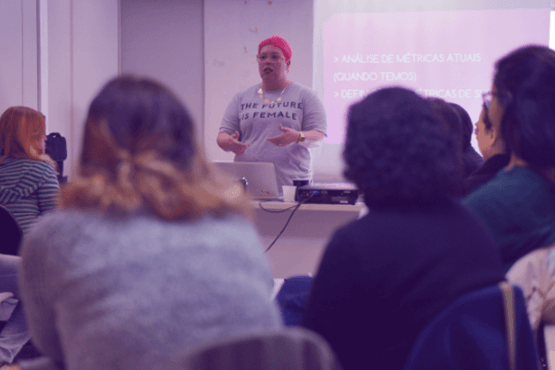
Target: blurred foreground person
150 255
383 277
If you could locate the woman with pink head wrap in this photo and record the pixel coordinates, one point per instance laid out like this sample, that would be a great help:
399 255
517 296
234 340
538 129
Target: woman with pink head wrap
275 120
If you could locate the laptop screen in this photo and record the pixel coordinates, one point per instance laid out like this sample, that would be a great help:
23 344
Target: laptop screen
260 177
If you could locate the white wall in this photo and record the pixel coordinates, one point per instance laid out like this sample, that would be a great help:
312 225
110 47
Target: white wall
164 40
18 54
57 77
82 55
552 30
232 31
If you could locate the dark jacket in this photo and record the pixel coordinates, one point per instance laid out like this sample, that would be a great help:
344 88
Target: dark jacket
385 276
471 161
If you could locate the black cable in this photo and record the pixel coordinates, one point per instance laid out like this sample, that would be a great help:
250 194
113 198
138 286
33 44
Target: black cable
274 210
289 219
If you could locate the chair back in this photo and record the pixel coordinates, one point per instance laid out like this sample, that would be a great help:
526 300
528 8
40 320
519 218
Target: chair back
56 148
292 298
10 233
472 333
290 348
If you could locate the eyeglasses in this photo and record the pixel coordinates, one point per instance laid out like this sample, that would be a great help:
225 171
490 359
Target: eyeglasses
272 57
487 98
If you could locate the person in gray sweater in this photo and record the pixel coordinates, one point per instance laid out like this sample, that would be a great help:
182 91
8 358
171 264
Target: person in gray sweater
151 253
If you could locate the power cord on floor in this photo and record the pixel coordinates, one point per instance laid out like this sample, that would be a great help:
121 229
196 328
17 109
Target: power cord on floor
295 208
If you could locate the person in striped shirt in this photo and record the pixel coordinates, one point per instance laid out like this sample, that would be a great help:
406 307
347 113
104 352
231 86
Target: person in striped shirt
28 188
28 182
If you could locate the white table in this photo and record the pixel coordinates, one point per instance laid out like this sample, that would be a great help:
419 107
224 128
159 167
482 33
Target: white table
299 249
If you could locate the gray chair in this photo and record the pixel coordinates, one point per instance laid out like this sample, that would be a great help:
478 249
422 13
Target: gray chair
290 348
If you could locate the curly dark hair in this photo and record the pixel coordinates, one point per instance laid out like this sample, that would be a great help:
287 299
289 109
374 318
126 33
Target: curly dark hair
397 151
525 84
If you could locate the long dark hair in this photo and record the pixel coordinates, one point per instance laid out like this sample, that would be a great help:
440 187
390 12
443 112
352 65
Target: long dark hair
139 151
466 125
525 84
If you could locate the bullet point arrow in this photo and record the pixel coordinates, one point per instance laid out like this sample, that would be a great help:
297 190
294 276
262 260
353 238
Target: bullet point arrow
336 94
335 59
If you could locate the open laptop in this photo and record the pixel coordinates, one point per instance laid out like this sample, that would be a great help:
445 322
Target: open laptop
260 178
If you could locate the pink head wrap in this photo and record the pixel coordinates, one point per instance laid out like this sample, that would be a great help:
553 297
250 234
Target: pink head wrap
278 42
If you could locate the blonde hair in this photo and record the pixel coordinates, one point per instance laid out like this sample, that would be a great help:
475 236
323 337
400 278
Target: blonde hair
21 129
160 168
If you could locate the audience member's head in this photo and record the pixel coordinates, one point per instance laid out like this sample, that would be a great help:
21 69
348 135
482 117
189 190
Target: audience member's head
139 152
447 114
22 133
466 125
523 103
459 125
488 135
398 151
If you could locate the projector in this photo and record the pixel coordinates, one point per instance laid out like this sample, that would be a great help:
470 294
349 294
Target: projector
327 193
